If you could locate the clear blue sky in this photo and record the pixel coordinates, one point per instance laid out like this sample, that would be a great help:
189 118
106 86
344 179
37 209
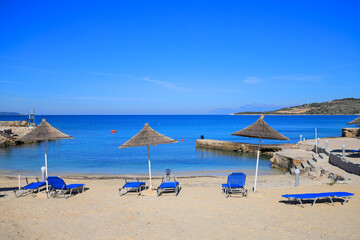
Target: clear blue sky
175 57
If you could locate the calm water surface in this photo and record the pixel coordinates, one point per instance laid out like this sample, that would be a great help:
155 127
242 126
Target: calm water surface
94 150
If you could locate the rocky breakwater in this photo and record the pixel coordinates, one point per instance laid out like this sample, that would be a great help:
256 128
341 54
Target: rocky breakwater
10 131
351 132
268 149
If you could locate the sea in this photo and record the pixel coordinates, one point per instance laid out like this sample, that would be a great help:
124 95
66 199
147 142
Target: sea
95 149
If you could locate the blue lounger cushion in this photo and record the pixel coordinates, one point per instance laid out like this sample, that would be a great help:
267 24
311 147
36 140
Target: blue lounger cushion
169 185
29 188
133 184
34 185
232 185
318 195
315 196
72 186
58 183
59 187
235 184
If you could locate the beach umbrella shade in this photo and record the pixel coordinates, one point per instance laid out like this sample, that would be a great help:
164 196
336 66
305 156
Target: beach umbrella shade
357 120
44 132
146 137
260 129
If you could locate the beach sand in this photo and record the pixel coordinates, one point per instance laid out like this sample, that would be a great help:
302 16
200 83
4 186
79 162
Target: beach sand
200 211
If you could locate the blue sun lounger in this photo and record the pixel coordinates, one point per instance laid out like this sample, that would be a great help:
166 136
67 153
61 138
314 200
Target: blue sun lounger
32 188
59 187
235 184
135 186
316 196
168 186
355 151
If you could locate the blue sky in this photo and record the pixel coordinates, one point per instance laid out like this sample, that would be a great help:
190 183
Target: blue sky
175 57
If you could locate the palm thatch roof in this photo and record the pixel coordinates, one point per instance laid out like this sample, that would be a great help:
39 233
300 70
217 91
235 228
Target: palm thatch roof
357 120
260 129
44 132
147 136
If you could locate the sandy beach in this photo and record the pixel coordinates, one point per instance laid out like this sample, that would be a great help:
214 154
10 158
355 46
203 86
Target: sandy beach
200 211
97 92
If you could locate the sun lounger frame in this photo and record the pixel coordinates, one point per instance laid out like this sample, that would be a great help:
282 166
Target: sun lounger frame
22 192
315 196
355 151
160 190
125 189
228 190
58 192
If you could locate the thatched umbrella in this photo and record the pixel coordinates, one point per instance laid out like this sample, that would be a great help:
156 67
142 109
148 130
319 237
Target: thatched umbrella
357 120
44 132
146 137
260 129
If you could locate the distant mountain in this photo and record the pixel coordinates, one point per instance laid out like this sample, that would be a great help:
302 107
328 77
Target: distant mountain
346 106
255 107
9 113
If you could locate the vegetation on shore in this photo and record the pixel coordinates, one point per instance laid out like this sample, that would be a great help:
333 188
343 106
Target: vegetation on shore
345 106
9 113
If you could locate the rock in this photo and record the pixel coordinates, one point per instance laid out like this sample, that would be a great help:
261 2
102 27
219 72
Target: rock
313 175
350 132
289 158
14 124
336 177
9 135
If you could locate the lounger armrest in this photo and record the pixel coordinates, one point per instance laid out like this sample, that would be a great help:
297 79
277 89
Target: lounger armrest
37 179
27 182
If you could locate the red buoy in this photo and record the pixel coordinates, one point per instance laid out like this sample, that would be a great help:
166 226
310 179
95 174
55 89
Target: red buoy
113 131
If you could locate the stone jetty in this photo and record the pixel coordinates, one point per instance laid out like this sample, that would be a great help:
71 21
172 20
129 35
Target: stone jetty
240 147
10 131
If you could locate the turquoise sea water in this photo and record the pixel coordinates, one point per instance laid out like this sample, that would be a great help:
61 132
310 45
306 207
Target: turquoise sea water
94 150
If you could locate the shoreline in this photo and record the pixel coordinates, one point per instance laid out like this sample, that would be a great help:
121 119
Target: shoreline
180 174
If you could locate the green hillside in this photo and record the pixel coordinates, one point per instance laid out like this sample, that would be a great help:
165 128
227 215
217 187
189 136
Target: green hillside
346 106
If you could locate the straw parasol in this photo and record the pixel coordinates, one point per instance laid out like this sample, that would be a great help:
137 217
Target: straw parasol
357 120
146 137
260 129
44 132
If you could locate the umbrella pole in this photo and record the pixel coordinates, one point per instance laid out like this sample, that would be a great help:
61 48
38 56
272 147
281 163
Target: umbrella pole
46 172
257 164
149 167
